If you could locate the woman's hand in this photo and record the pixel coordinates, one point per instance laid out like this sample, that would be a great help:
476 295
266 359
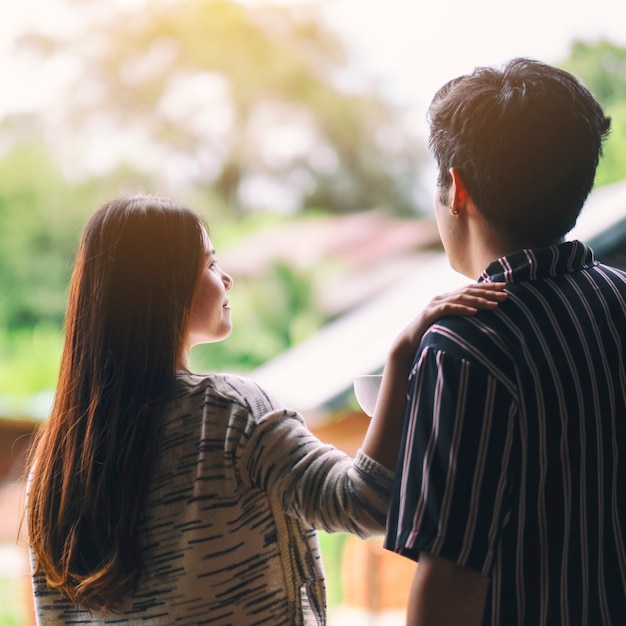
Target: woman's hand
466 300
383 436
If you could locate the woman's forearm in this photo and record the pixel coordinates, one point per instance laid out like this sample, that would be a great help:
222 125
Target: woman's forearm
382 439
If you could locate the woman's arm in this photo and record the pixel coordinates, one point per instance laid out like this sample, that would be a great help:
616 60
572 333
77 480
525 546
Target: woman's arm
382 439
322 485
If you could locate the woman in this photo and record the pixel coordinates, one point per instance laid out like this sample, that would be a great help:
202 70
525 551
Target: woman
160 496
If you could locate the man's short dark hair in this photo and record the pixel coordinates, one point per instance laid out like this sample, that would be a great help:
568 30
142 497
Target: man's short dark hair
526 141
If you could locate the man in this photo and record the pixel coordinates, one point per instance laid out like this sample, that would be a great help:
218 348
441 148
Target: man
511 484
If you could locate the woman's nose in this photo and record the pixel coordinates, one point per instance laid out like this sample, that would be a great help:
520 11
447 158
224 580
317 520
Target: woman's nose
228 280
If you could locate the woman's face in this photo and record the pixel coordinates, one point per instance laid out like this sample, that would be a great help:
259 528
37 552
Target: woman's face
209 318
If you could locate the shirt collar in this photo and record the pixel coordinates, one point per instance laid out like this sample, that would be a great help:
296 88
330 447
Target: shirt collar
534 264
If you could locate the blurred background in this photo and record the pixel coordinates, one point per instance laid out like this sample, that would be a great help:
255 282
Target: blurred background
298 129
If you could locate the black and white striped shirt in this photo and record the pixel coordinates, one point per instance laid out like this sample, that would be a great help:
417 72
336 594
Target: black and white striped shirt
514 451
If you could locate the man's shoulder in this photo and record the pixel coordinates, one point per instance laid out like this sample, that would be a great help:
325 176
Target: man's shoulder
486 341
617 273
463 336
462 329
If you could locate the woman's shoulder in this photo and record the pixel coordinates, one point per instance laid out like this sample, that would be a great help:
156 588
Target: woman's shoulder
234 388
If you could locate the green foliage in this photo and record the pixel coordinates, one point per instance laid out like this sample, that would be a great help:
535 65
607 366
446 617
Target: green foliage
601 66
246 100
331 546
13 598
29 359
41 218
612 167
35 243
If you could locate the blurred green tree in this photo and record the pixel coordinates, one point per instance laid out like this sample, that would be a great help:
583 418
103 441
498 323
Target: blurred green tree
41 217
38 238
601 65
252 103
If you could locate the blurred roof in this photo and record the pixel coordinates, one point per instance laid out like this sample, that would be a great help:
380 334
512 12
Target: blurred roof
367 251
317 374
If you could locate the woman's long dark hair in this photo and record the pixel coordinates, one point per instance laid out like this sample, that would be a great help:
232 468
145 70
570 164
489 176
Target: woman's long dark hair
135 274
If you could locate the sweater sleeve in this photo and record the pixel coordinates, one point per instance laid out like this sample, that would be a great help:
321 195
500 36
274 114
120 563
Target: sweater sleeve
314 481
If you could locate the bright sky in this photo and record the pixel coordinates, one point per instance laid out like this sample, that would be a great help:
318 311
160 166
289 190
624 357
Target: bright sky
417 45
413 46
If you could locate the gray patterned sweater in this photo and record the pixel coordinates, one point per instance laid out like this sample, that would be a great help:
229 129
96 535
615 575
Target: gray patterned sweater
239 488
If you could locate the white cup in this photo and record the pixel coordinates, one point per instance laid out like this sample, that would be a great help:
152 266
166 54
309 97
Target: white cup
366 390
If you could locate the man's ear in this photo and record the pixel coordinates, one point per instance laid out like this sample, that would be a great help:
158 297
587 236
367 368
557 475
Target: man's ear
458 192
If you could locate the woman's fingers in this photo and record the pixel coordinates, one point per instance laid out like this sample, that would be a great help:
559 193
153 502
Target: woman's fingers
466 300
481 295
